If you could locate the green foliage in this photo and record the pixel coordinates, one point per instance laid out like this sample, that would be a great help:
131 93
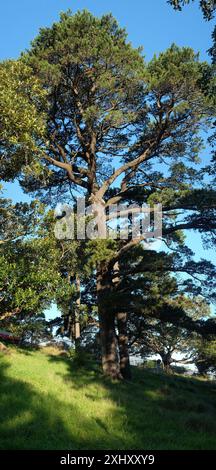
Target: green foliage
91 104
208 8
212 50
93 77
99 250
102 101
30 330
165 335
80 358
21 122
19 220
206 355
29 278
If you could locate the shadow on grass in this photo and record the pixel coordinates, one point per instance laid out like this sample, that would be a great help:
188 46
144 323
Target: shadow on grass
25 421
161 411
30 420
152 412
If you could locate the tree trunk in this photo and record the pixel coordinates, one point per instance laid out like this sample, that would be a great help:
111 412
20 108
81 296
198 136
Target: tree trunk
125 368
77 314
121 318
72 319
166 359
109 345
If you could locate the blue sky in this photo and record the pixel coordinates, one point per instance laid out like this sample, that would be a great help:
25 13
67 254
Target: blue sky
150 23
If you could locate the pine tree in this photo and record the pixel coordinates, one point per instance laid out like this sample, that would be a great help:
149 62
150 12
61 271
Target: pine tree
111 121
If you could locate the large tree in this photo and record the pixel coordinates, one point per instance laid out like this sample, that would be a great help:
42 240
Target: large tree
117 130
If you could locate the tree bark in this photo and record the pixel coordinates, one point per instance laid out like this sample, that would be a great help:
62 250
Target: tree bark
121 318
166 359
74 315
109 344
77 314
125 368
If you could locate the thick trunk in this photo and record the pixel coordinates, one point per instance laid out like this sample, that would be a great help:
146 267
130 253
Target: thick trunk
109 345
72 320
167 362
123 346
77 314
121 318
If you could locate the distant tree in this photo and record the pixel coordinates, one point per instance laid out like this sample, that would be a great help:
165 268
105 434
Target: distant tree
148 286
206 355
30 330
172 342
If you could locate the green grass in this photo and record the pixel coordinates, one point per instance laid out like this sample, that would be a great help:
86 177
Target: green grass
48 403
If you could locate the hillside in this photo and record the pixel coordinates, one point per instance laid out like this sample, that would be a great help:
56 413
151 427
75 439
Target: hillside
48 402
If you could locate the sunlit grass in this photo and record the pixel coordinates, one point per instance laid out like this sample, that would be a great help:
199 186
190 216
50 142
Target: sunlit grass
49 403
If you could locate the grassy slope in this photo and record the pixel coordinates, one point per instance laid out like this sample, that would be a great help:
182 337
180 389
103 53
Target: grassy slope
46 403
